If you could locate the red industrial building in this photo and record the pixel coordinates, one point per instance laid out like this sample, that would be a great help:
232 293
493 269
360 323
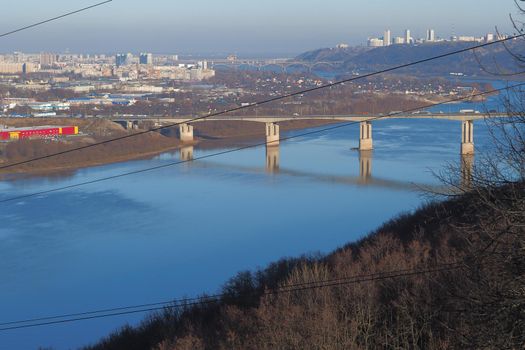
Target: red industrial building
37 132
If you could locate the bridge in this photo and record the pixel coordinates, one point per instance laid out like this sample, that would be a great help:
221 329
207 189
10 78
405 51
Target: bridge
282 64
272 129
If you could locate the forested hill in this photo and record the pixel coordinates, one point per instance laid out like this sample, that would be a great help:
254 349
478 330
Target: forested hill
479 303
495 59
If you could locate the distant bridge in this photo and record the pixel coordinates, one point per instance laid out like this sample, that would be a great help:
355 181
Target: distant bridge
283 65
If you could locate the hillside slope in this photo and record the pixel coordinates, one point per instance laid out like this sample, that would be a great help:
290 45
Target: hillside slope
480 304
482 61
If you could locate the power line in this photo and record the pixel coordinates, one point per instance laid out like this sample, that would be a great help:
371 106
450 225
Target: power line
181 303
184 301
317 131
55 18
264 102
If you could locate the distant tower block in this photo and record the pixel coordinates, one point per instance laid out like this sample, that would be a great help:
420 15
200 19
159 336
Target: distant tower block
365 136
272 134
272 159
365 165
186 132
467 137
408 38
186 153
387 38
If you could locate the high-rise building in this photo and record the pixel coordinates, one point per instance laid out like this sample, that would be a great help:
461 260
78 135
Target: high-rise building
399 40
122 59
408 38
11 68
146 58
467 38
431 35
29 68
19 57
47 59
387 38
375 42
129 58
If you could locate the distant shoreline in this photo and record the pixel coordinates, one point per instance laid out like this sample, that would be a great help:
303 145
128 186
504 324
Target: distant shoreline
232 135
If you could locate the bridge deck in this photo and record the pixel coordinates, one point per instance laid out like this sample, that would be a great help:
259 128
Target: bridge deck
337 118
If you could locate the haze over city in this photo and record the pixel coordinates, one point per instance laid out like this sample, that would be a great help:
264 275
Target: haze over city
275 27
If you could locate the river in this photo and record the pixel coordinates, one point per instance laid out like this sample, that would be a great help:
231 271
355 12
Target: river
186 229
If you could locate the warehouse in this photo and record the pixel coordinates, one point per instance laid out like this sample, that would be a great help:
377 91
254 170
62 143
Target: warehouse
8 134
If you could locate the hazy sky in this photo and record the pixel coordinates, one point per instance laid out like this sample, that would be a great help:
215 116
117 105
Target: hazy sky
239 26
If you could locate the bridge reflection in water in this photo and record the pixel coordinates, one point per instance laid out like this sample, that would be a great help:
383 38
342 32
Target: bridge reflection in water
272 158
364 166
186 153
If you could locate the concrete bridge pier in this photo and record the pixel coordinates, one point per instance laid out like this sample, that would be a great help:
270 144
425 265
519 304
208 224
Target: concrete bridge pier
467 137
365 136
186 132
127 124
130 124
186 153
365 165
272 158
272 134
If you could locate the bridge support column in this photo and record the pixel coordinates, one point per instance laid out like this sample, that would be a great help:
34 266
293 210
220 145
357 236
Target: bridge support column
272 134
467 137
365 165
272 159
129 125
186 132
186 153
365 136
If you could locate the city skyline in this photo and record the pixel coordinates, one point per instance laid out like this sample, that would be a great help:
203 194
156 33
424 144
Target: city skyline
394 38
295 27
